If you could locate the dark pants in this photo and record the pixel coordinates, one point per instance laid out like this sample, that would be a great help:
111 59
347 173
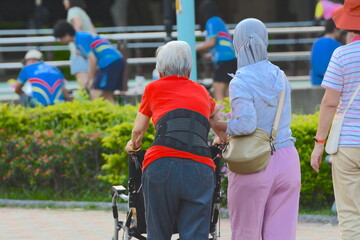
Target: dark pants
111 77
181 190
221 70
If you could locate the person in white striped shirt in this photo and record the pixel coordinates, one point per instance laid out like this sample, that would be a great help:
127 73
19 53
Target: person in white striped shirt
341 79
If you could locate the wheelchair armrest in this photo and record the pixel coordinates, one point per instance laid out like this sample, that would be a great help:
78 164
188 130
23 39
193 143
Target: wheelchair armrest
118 189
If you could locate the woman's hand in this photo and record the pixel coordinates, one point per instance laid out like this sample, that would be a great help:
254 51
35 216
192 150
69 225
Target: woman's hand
328 107
220 140
216 141
130 148
316 156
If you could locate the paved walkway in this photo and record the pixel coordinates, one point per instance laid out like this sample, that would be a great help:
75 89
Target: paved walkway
79 224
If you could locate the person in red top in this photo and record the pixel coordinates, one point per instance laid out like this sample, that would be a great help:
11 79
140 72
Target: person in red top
178 172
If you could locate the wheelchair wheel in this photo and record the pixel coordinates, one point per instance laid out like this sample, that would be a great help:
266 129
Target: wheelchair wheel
214 235
126 234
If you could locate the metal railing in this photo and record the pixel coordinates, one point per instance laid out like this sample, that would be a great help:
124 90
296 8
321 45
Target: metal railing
6 44
151 35
153 28
273 56
139 37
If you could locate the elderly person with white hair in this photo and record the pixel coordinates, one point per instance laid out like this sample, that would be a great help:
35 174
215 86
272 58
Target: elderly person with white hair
262 205
178 172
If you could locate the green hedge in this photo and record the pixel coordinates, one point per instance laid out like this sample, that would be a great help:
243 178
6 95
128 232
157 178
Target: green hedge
115 166
66 161
57 147
77 145
80 114
316 188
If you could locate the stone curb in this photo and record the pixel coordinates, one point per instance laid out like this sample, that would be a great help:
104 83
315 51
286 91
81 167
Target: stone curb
306 218
318 219
62 204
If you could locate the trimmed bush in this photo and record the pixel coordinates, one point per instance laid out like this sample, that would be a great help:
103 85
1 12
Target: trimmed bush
87 115
316 188
66 161
13 120
57 147
115 168
80 144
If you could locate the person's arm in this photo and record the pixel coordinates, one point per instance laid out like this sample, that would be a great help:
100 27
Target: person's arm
18 88
209 43
141 124
92 70
244 117
66 93
328 108
77 23
218 126
22 78
212 28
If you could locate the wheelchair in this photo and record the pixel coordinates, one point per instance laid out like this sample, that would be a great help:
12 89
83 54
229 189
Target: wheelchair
134 226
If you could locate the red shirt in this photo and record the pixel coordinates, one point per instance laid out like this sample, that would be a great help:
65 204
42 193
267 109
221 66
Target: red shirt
170 93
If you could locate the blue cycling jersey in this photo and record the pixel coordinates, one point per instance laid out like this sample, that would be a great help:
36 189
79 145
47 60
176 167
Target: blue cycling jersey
223 49
46 83
103 50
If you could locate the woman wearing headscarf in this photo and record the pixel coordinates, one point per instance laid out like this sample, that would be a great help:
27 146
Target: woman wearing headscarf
263 204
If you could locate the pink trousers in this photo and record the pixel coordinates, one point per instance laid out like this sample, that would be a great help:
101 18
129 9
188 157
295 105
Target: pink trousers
265 205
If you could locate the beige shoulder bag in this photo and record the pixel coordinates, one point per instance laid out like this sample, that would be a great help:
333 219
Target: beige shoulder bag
332 142
251 153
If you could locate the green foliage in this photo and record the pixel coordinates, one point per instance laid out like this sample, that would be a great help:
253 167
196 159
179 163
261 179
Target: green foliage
13 120
224 109
87 115
116 165
66 161
12 24
57 147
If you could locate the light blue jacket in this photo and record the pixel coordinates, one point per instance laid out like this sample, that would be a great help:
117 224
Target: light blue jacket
254 97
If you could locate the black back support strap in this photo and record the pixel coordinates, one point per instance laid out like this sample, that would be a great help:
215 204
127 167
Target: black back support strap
184 130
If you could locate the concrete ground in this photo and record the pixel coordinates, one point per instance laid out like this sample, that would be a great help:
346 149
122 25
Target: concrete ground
80 224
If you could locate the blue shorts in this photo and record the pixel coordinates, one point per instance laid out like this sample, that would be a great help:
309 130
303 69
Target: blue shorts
78 64
111 77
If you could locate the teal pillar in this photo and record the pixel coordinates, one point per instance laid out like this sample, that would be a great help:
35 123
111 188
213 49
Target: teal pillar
185 17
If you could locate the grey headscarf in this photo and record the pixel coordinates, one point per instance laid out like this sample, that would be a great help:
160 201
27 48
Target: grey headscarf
250 42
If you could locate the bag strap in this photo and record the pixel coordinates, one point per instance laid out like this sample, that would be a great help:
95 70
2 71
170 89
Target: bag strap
352 99
279 109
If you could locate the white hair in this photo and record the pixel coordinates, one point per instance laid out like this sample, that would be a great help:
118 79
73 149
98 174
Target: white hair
174 58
